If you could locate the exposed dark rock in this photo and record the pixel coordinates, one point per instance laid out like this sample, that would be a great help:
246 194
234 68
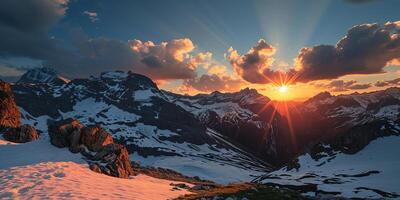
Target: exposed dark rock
117 161
66 133
22 134
95 138
114 158
9 113
95 167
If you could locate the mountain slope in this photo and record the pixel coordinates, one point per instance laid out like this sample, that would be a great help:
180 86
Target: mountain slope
140 116
352 146
370 173
246 117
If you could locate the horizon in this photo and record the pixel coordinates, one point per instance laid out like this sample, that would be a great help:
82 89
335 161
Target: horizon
284 56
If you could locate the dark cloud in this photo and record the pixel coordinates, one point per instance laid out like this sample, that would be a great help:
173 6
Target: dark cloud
365 49
341 86
210 83
24 26
394 82
31 15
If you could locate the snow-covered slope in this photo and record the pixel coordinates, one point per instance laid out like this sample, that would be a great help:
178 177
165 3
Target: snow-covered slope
42 75
38 170
246 117
371 173
351 143
358 108
140 116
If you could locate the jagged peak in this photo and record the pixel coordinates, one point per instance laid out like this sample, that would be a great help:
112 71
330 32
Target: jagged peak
128 78
249 91
118 75
42 75
320 96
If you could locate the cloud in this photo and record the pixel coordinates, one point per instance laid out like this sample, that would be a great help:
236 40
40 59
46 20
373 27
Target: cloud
251 66
92 15
366 49
394 82
394 62
203 59
163 61
24 25
212 82
342 86
217 69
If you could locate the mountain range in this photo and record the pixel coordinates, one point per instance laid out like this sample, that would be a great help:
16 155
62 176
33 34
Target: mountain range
232 137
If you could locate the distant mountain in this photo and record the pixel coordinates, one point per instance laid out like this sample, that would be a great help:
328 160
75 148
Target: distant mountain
246 117
42 75
219 136
156 131
350 145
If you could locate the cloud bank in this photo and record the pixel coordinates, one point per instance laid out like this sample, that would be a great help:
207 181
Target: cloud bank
342 86
24 27
393 82
365 49
213 82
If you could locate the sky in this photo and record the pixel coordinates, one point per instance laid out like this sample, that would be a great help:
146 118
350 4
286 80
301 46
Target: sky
199 46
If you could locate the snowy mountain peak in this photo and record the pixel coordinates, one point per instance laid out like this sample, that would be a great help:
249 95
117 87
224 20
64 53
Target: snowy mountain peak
42 75
116 75
127 80
319 97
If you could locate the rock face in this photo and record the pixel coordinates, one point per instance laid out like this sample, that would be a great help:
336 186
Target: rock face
9 113
22 134
103 156
117 161
95 138
66 133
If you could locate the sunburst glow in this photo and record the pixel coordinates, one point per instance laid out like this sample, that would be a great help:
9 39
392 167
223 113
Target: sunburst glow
283 88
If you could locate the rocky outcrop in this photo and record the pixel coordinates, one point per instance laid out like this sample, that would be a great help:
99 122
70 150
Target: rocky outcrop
66 133
9 113
22 134
113 160
95 138
93 142
10 122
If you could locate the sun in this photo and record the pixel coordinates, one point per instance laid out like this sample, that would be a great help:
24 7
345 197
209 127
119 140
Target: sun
283 88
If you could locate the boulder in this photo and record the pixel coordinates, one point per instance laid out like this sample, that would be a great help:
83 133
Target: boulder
109 158
95 167
116 159
22 134
66 133
9 113
95 138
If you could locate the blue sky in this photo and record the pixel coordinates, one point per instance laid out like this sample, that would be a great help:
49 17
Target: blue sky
80 38
216 25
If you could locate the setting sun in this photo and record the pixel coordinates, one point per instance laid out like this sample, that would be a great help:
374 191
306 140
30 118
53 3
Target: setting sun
283 88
